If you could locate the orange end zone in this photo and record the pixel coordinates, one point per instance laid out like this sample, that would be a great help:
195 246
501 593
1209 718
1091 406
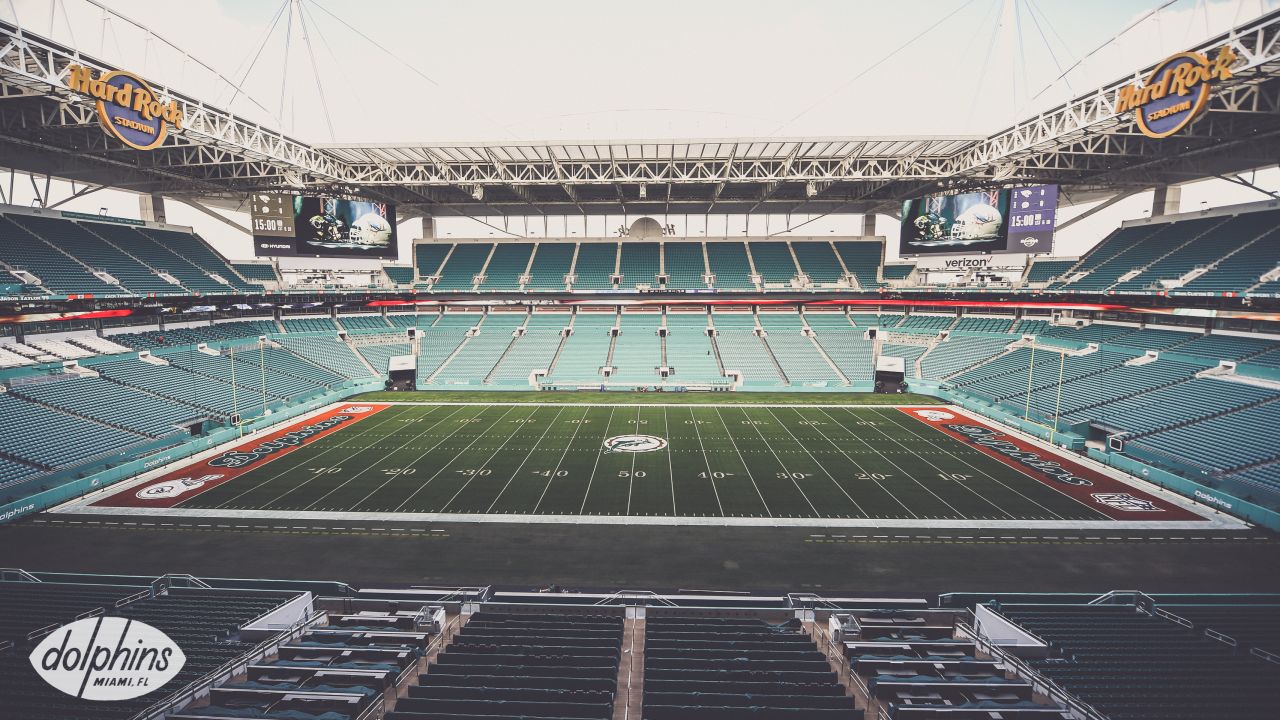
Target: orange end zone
255 451
1103 493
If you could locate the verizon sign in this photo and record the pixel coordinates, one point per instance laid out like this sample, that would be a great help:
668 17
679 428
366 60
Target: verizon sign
963 263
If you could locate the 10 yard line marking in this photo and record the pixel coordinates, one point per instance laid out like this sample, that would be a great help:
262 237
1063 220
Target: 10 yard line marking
303 461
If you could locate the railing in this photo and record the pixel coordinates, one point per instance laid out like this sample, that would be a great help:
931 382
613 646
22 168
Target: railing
1039 683
193 690
649 595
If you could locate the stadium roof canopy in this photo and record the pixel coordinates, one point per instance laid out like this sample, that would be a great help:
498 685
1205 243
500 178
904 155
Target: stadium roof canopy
1084 145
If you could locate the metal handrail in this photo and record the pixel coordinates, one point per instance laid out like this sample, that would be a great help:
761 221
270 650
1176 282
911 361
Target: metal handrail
1039 683
188 692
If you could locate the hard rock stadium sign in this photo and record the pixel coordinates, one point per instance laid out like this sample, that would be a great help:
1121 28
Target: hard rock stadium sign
129 109
1175 92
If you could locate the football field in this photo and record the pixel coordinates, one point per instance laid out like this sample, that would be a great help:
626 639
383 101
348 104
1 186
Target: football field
820 462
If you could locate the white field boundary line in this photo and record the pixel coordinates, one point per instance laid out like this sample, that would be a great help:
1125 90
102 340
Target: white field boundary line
1136 483
1215 518
655 405
76 504
667 521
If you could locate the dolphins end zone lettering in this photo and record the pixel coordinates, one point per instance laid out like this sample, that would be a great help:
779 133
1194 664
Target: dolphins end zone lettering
182 484
1102 493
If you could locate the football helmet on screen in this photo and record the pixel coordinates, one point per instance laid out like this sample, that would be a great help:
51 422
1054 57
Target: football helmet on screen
370 229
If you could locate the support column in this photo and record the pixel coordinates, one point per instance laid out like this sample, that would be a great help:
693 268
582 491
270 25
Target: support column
869 224
151 207
428 227
1167 200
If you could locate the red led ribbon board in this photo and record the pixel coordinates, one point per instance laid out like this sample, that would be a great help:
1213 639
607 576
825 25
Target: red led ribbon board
173 488
1103 493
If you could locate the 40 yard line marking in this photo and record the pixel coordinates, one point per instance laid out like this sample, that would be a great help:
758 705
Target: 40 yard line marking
706 461
744 464
581 421
528 455
514 430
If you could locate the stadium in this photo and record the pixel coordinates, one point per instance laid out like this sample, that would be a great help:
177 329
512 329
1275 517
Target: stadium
925 372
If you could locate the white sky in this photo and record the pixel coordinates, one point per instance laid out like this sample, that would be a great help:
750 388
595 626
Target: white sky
508 70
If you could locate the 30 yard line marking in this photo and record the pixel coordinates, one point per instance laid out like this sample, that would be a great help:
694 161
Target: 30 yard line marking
441 469
815 462
528 455
859 465
488 460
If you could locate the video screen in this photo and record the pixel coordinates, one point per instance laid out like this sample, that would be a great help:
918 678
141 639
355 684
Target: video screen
324 227
1018 220
964 223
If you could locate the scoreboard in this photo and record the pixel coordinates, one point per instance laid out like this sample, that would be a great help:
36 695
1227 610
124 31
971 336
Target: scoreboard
272 216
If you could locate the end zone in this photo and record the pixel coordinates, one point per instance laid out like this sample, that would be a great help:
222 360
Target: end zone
228 462
1102 492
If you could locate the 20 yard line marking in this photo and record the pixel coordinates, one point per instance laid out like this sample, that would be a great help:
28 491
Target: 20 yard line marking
860 468
381 460
474 440
815 462
304 460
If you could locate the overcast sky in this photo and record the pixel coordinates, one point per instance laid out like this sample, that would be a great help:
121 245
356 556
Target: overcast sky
506 70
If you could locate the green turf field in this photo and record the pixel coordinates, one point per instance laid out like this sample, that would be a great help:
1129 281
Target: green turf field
786 462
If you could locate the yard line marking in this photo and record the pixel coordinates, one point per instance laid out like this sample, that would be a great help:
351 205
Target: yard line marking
631 478
565 452
587 493
893 418
929 462
515 430
441 469
421 455
706 461
380 460
300 461
859 466
897 467
815 461
748 468
528 455
671 471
